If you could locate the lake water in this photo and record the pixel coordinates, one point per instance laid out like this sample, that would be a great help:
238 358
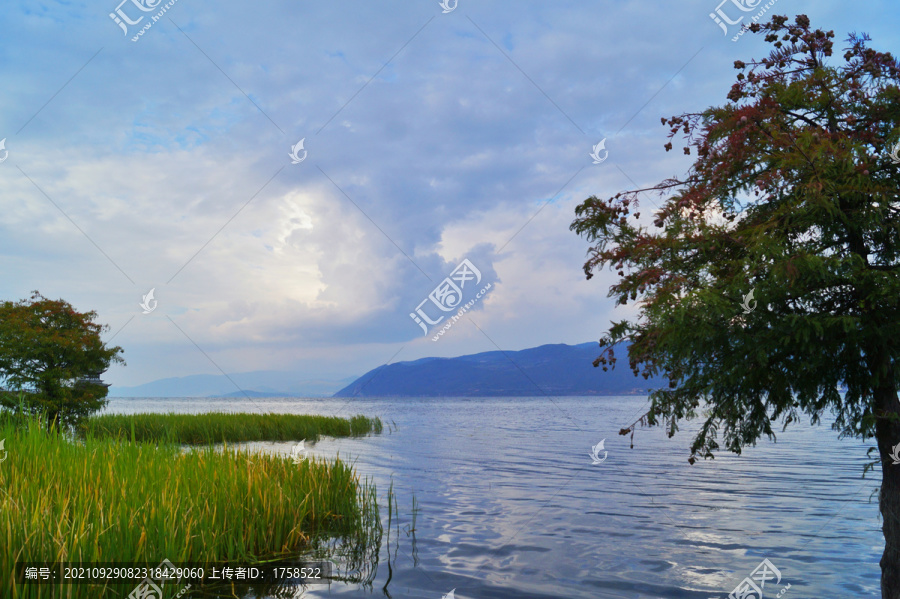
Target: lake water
512 506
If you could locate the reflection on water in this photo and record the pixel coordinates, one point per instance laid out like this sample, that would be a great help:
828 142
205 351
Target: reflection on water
354 561
510 504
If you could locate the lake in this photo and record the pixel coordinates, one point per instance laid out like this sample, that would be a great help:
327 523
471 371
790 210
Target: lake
511 505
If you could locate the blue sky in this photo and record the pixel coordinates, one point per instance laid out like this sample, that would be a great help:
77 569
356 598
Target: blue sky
431 137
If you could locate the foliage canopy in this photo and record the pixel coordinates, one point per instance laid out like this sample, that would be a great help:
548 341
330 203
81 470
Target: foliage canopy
793 197
48 352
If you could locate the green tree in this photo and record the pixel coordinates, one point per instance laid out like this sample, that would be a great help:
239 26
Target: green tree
770 277
50 351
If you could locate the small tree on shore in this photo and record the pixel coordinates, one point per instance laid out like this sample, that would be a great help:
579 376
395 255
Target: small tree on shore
772 277
50 352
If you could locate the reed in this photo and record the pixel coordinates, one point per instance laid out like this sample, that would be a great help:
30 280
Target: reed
222 427
111 499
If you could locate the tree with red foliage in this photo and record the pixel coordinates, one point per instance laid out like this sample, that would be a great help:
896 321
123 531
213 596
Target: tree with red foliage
771 275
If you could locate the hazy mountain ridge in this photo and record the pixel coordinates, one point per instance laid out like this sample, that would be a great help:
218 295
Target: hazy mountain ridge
259 383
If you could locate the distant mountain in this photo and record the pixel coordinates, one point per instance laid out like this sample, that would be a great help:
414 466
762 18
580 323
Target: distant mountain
554 370
252 394
259 383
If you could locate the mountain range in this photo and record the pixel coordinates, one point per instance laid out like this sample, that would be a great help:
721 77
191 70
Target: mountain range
554 370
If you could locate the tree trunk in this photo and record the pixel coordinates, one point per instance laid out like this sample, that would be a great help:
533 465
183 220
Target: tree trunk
887 433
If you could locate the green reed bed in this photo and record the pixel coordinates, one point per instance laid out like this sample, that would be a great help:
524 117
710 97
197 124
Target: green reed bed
117 500
222 427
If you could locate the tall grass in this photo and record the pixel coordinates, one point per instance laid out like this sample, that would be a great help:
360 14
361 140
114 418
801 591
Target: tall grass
221 427
116 500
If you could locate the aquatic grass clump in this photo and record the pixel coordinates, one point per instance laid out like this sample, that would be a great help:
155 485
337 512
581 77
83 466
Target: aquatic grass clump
223 427
115 500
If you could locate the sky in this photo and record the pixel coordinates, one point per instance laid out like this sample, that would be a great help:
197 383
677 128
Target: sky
294 179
